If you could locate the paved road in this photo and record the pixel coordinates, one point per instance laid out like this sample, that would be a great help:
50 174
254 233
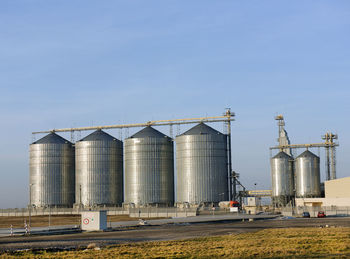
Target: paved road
159 232
199 219
21 231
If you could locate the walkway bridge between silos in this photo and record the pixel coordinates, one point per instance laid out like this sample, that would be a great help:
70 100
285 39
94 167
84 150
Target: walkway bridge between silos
256 193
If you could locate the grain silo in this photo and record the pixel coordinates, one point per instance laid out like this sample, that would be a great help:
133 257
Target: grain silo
99 170
201 161
282 176
149 169
307 175
52 173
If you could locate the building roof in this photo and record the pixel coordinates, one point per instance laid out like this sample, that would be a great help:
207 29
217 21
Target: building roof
201 129
98 135
149 132
307 153
52 138
282 155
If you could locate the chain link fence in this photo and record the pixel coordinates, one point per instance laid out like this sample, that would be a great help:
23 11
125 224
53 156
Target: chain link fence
330 211
148 212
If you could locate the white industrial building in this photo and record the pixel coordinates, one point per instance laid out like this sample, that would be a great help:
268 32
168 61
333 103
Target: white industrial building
337 193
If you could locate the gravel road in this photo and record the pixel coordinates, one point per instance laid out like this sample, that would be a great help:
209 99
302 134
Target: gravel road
158 233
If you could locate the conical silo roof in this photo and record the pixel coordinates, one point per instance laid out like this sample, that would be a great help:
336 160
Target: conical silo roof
149 132
201 129
52 138
307 153
282 155
98 135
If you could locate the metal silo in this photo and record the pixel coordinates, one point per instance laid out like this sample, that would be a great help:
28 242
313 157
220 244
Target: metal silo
307 175
282 179
52 173
201 164
149 168
99 170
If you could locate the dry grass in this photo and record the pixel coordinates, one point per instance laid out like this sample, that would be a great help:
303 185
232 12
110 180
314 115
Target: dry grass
42 221
268 243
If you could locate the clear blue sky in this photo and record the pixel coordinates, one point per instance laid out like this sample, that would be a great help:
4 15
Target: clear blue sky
77 63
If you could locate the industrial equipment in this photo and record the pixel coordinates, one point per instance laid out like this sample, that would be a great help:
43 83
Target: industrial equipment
282 179
329 145
52 172
283 138
306 165
99 170
201 160
307 175
149 169
87 192
330 155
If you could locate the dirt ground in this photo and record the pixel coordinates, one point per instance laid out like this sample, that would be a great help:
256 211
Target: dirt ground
43 221
160 233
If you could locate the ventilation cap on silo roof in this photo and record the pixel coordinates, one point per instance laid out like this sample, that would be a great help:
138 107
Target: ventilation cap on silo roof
99 135
307 153
282 155
201 129
149 132
52 138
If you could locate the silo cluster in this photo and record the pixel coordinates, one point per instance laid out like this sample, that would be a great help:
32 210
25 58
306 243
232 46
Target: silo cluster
91 172
294 178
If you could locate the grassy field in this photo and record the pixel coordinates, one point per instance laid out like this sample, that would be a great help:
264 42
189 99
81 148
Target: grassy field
42 221
268 243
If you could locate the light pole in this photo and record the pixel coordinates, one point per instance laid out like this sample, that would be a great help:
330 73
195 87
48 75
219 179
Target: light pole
49 216
80 204
30 203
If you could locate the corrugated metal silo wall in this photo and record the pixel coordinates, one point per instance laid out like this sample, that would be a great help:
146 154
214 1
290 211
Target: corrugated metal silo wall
282 176
201 162
149 171
307 176
99 173
52 174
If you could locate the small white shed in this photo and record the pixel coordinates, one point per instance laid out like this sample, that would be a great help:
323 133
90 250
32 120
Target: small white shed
94 220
